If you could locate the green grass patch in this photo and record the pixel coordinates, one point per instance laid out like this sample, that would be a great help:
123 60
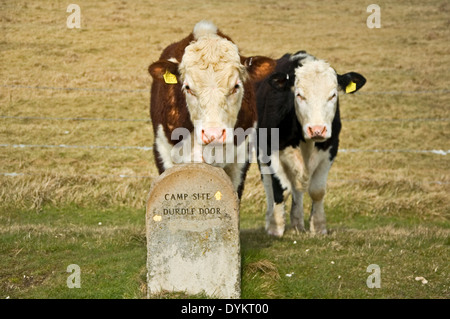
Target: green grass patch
108 245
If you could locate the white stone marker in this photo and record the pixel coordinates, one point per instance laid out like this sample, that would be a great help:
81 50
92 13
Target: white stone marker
192 225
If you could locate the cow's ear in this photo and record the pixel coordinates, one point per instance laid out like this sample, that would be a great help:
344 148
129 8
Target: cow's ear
279 81
351 82
164 70
259 67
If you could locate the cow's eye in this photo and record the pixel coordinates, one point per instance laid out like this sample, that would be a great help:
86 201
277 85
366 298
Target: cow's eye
187 89
301 97
332 97
235 89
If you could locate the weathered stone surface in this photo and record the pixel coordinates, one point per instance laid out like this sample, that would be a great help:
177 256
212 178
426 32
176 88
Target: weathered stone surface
192 225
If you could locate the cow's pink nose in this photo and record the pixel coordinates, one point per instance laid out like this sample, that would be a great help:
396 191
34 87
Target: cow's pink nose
217 135
317 131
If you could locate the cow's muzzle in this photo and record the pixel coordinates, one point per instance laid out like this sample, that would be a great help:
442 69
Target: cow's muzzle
317 132
214 135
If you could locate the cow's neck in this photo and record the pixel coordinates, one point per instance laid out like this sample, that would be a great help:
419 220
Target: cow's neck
307 148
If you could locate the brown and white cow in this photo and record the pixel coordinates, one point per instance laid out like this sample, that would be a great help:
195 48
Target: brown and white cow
203 86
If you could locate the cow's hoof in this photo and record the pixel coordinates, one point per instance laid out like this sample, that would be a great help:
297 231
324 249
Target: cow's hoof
298 229
322 231
297 225
275 231
295 230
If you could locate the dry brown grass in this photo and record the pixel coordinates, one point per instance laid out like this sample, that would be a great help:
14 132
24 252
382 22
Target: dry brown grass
117 42
33 192
264 266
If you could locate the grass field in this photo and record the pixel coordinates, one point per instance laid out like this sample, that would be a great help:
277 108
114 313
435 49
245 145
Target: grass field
86 206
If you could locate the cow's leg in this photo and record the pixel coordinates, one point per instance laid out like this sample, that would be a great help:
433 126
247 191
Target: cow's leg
317 189
297 175
237 170
297 220
275 215
237 173
162 150
244 171
158 160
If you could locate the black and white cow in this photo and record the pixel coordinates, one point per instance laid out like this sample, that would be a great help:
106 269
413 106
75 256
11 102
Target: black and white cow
300 99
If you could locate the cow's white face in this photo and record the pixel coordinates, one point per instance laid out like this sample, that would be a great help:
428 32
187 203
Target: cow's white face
316 94
213 77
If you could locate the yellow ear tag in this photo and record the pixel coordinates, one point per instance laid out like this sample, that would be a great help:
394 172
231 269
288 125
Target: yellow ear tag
170 78
351 87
